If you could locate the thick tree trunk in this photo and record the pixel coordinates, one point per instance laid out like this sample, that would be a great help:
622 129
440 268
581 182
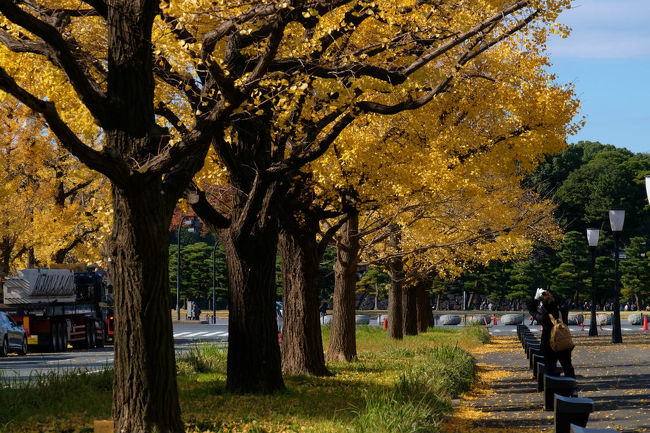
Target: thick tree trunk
395 310
6 248
343 340
429 309
145 397
302 343
395 304
253 350
409 305
422 305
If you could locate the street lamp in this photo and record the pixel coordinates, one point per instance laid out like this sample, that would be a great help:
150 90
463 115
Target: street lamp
178 264
616 220
647 186
592 239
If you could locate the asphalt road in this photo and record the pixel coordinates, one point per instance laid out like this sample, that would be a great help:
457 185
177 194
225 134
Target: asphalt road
20 368
35 364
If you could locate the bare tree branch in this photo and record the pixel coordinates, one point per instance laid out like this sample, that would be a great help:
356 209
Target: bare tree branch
213 219
163 110
312 152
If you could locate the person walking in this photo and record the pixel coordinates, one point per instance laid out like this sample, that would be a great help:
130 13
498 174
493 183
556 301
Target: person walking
540 311
323 310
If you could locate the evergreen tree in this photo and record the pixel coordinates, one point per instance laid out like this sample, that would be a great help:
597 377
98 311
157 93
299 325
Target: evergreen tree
635 272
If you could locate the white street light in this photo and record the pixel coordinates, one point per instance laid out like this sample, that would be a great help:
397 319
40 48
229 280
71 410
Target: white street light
592 240
592 237
616 220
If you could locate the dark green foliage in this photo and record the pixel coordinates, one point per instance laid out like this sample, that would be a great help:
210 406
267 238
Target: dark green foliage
570 275
326 273
635 270
585 181
196 270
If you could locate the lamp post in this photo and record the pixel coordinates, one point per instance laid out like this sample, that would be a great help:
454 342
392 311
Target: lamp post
178 265
616 220
592 239
214 308
647 186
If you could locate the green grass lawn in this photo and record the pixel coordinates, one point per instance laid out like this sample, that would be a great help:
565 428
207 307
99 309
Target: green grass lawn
394 386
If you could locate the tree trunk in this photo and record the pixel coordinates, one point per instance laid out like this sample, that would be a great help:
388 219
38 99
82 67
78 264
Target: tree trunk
409 305
145 397
302 343
343 341
395 310
253 350
429 309
376 297
422 306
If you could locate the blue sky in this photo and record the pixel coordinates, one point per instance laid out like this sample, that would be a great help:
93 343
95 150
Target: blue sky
607 58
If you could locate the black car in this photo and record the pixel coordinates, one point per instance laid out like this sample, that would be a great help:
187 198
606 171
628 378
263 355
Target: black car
12 336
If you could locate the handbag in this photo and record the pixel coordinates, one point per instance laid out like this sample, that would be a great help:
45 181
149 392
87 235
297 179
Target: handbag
560 335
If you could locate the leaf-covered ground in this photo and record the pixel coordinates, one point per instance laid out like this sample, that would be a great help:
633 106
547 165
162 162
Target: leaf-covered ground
616 377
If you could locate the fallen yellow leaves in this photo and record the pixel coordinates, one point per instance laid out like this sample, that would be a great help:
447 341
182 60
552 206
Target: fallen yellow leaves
466 418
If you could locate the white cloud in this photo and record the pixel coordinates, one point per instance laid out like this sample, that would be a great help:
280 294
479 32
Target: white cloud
605 29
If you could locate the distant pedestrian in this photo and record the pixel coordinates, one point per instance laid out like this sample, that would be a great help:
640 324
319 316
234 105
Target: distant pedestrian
323 310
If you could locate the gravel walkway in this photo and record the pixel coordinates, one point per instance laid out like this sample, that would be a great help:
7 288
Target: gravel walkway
616 377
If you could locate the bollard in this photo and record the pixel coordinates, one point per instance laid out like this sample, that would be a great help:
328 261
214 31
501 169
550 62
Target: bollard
645 322
385 323
495 319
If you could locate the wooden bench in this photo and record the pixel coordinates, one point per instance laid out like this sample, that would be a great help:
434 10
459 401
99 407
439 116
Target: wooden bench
578 429
571 410
541 369
529 339
530 347
563 386
536 359
533 351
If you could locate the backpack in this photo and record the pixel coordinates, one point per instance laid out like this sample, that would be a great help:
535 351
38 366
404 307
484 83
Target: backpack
560 335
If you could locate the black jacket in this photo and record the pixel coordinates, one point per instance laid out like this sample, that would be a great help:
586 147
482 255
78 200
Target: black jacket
540 313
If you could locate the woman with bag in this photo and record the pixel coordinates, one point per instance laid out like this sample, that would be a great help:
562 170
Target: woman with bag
546 312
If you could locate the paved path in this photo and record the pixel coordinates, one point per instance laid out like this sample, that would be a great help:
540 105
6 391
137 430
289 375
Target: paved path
616 377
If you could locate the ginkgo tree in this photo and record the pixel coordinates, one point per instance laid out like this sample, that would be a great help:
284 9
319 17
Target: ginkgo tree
269 85
448 174
17 137
53 208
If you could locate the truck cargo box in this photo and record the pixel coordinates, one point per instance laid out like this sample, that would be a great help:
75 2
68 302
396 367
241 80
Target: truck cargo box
31 286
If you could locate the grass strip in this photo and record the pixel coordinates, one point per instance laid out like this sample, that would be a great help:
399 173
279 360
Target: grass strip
394 386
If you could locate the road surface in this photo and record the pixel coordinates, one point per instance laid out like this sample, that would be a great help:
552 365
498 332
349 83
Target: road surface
20 368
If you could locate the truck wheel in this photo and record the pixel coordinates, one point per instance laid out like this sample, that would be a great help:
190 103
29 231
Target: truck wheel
23 348
54 337
4 350
88 342
63 333
102 341
93 335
